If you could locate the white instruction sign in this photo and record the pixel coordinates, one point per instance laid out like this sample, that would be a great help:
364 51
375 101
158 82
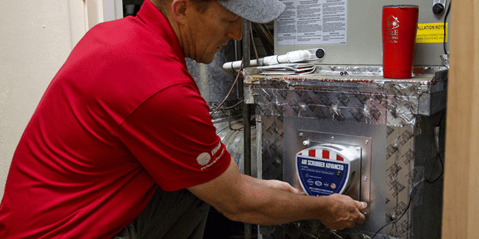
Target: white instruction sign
313 22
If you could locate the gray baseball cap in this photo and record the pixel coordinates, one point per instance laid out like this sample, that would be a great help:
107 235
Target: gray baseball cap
260 11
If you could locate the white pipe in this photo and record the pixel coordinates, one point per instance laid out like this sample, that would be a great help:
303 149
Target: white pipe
289 57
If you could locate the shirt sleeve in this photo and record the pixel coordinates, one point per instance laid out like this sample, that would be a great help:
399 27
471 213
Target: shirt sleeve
173 138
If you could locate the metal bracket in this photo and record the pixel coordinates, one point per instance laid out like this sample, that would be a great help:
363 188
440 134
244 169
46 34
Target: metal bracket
362 146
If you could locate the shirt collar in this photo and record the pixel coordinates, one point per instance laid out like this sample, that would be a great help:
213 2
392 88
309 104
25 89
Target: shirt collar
154 19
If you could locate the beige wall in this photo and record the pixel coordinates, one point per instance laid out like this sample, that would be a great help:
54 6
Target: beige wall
35 39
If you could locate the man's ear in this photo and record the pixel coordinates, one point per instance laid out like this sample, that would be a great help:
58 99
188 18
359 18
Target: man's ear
178 9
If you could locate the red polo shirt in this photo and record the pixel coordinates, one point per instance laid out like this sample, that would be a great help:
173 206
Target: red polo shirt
121 117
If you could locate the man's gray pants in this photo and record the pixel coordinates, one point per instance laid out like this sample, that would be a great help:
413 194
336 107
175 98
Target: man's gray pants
169 215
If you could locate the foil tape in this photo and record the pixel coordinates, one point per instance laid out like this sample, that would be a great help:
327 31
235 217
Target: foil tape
352 70
371 100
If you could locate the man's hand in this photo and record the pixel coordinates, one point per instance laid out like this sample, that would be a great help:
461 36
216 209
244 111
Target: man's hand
343 212
280 185
273 184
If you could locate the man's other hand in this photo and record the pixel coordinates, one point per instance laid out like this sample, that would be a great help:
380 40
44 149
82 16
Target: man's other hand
343 212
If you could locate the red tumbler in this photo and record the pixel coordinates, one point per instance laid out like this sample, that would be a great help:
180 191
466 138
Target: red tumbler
399 26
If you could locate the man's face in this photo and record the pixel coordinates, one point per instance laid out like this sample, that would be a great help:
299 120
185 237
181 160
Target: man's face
210 30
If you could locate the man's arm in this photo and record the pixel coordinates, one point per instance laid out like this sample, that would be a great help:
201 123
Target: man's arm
242 198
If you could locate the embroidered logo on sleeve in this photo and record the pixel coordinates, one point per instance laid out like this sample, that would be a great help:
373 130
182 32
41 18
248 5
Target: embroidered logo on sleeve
205 158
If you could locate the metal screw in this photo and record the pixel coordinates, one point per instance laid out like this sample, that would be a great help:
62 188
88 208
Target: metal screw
365 178
332 137
306 142
300 134
367 141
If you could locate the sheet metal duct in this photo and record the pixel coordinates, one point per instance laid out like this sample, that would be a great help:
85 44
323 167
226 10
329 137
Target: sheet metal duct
232 135
214 82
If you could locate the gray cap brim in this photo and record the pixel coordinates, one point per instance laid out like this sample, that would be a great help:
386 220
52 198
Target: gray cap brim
260 11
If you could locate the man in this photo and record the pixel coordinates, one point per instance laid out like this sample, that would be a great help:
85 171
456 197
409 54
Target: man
122 145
